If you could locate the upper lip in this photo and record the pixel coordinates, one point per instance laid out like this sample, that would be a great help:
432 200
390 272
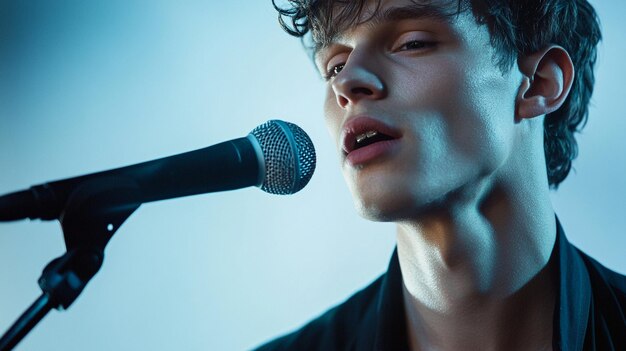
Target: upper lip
362 124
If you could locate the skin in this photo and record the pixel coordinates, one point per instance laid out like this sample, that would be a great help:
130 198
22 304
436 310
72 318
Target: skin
467 184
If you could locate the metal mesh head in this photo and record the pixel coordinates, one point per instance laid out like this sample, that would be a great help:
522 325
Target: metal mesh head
289 156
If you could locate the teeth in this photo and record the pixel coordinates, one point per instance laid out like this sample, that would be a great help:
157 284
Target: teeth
369 134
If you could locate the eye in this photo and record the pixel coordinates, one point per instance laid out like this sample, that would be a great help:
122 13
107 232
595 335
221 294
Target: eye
333 71
415 45
416 40
336 63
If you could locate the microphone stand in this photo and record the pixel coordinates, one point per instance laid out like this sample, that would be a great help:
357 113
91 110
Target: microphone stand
92 214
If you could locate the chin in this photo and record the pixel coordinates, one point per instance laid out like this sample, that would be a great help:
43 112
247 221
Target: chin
375 213
391 206
394 199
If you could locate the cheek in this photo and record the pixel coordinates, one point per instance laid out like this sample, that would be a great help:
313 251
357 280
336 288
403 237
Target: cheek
492 103
332 114
470 103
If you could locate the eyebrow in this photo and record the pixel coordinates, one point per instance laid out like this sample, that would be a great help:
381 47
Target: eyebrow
393 14
415 11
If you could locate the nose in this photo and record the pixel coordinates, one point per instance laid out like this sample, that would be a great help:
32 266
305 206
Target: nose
355 83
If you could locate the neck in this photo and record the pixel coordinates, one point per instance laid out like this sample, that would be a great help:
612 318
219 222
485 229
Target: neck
477 270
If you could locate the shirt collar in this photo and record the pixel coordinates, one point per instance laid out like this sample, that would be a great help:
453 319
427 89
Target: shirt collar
391 333
571 308
573 295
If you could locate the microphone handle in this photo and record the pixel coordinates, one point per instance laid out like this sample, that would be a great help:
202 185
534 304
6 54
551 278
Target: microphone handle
228 165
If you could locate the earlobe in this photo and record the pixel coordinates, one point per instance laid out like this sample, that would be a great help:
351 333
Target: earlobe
546 83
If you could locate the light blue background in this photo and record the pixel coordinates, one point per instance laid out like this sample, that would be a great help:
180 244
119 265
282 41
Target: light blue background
93 85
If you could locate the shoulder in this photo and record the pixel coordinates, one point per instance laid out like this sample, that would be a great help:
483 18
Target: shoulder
337 328
608 301
605 278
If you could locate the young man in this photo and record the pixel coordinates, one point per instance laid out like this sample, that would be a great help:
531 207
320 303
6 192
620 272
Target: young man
453 119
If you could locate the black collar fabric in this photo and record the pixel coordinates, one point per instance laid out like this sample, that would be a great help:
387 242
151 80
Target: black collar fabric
573 296
575 309
391 333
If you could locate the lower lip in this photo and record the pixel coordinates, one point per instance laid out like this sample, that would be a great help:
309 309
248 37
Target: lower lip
371 152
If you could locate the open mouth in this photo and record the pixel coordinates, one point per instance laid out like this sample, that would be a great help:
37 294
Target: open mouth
365 139
368 138
364 131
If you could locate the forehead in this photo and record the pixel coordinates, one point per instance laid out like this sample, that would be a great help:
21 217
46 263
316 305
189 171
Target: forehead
332 19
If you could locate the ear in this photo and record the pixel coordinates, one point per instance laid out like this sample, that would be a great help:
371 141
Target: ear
548 76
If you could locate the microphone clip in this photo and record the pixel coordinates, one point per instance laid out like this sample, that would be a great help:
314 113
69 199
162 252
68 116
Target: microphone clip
92 214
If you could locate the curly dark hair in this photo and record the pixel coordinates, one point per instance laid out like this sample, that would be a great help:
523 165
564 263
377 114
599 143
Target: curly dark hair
516 27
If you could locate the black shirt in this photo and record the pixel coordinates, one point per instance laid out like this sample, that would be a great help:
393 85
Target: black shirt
589 312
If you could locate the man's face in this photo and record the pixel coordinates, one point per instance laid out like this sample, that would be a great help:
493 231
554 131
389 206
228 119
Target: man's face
418 108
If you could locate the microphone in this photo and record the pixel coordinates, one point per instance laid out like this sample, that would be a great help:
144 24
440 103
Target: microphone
277 157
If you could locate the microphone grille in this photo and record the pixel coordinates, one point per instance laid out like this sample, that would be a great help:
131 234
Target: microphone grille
288 154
